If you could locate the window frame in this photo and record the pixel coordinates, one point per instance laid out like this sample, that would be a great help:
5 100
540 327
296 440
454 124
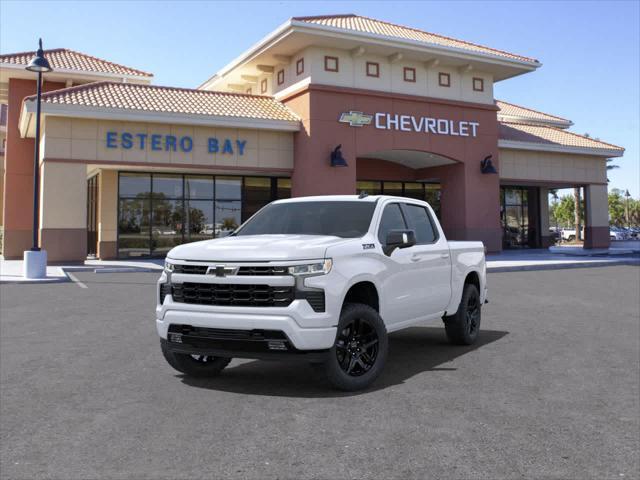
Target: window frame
436 232
377 67
327 59
407 70
443 75
384 207
263 85
300 66
480 82
280 76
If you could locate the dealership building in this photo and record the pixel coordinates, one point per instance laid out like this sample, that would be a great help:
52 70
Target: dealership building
323 105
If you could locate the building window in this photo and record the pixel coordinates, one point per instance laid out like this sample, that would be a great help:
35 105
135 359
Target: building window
478 84
300 66
248 91
156 212
409 74
444 79
331 64
263 86
373 69
280 77
429 192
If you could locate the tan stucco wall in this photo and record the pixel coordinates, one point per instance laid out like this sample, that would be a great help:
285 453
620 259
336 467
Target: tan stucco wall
108 206
597 211
63 195
352 74
552 167
80 139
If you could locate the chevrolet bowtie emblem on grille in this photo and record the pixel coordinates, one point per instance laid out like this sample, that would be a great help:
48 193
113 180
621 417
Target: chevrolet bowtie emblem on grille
221 271
355 119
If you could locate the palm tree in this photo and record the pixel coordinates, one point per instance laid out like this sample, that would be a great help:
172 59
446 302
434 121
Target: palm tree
576 210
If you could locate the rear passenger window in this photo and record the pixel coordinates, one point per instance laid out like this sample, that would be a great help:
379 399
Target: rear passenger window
419 220
392 219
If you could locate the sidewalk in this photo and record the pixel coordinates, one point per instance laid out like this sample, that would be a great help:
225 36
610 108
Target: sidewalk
506 261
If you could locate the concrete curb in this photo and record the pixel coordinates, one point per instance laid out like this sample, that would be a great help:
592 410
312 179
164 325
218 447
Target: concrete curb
562 266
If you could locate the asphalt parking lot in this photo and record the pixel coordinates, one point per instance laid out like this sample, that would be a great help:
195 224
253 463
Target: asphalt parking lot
550 391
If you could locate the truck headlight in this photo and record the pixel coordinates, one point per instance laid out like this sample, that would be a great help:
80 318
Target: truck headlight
168 267
318 267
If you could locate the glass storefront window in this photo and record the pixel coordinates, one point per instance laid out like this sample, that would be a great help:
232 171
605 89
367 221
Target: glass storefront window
283 188
255 195
414 190
133 227
228 188
392 188
135 185
198 188
167 186
156 212
372 188
432 194
228 217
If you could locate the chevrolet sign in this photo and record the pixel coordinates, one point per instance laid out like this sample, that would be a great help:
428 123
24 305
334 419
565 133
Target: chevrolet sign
410 123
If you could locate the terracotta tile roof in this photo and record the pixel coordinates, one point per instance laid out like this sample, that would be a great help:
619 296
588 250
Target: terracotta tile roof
517 132
513 110
152 98
65 59
370 25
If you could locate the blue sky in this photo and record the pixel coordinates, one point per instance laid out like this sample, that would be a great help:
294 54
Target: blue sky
589 50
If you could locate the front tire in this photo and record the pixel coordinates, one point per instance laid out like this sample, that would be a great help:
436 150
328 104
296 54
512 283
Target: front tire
194 365
462 328
360 350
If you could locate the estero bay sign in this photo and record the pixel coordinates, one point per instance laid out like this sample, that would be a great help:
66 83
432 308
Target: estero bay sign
171 143
411 123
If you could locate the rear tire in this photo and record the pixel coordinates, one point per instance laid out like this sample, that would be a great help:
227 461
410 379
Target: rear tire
194 365
360 350
463 327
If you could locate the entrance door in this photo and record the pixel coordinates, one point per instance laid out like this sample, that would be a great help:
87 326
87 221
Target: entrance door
92 216
519 216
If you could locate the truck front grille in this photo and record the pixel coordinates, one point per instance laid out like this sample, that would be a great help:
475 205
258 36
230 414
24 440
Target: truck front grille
190 269
269 270
232 294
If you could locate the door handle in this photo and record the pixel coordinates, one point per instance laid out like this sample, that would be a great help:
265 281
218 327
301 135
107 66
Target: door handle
444 255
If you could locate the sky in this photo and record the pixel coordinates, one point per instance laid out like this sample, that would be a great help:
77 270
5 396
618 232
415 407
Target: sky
590 51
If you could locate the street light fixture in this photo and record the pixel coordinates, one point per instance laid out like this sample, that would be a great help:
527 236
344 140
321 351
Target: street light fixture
35 260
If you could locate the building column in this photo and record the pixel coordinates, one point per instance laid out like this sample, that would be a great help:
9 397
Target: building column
63 211
596 216
107 214
469 203
546 240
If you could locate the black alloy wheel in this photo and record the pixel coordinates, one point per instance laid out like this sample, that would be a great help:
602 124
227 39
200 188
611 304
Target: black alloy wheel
357 347
473 314
463 326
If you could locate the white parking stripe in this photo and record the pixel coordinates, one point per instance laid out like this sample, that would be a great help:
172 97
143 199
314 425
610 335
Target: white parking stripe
75 280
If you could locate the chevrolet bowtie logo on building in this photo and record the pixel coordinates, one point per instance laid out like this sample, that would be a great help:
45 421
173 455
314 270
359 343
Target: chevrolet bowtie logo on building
356 119
222 271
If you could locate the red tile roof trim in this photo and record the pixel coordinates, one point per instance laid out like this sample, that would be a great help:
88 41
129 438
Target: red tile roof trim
313 19
64 58
555 117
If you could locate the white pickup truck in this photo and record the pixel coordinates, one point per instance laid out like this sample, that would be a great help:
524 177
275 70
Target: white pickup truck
324 279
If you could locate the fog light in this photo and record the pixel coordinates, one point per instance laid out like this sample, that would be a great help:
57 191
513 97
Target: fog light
175 337
277 345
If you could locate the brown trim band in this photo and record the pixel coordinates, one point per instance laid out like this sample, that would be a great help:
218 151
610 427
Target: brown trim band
542 183
386 95
172 166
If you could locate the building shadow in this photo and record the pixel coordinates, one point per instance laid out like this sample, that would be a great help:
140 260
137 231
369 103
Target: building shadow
411 352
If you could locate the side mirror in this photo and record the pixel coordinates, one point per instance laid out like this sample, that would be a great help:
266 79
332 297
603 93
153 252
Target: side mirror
399 239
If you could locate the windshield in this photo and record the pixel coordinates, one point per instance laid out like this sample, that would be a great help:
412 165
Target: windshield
348 219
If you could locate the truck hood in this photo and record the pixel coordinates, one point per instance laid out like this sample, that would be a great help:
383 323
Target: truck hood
256 248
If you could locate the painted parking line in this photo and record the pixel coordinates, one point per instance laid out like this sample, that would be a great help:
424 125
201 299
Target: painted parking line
75 280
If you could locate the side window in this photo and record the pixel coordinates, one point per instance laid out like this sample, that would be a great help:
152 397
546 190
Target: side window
392 219
419 220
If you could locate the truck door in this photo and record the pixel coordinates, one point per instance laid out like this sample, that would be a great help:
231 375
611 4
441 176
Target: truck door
431 259
398 304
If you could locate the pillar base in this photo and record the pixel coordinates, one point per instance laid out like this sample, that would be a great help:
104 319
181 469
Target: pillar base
597 237
35 264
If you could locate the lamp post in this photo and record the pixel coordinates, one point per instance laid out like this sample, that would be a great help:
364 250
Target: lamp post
35 260
626 208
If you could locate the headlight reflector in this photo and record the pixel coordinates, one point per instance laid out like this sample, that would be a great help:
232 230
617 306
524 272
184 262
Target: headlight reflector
168 267
318 267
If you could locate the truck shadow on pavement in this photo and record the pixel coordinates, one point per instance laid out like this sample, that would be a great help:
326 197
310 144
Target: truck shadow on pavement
411 352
